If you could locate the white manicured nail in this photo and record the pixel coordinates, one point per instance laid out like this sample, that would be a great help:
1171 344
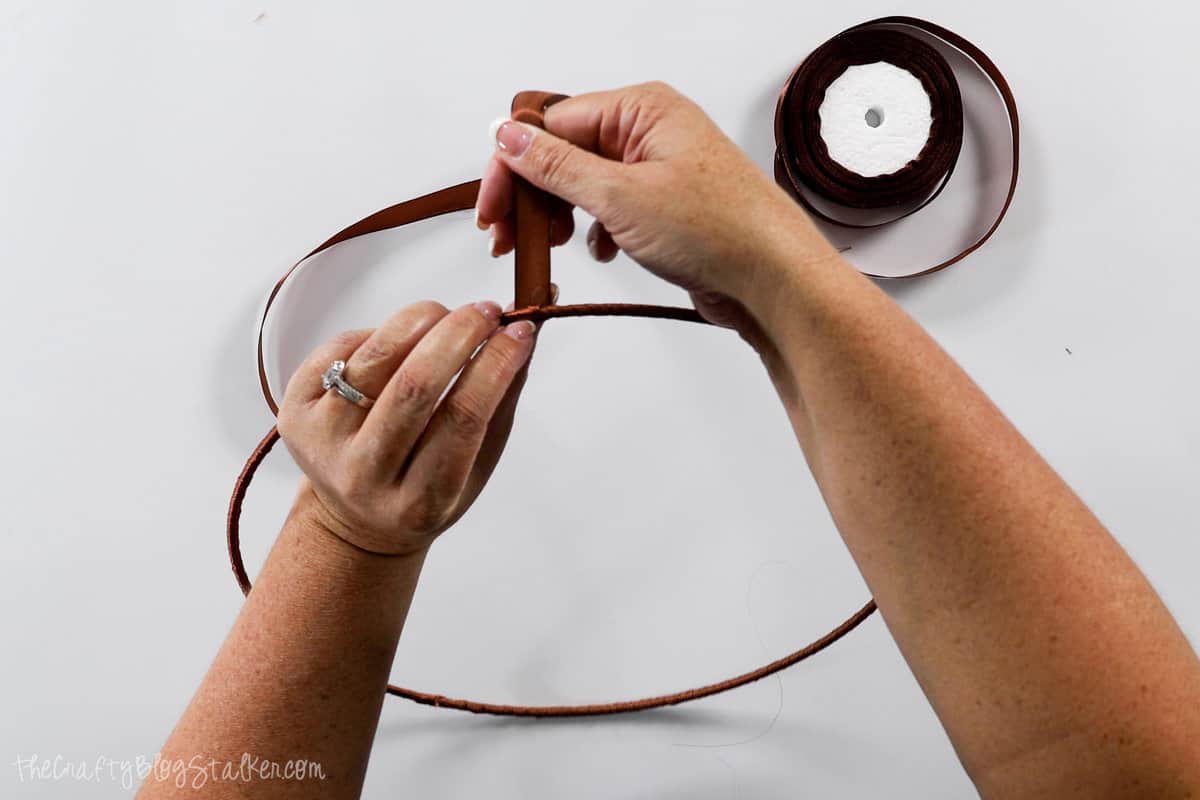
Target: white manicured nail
495 126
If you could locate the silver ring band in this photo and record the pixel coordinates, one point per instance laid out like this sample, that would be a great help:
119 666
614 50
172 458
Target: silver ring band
332 379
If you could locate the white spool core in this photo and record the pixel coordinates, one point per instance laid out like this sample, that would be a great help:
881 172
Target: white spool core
875 118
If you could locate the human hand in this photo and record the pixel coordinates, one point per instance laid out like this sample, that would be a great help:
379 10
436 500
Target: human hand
665 185
391 478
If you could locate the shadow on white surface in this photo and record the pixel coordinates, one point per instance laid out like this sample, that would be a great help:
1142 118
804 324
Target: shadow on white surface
1001 267
237 398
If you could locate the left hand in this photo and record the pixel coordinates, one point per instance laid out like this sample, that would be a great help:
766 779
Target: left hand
390 479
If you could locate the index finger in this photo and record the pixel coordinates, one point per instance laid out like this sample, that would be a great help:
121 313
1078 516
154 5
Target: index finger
406 403
616 123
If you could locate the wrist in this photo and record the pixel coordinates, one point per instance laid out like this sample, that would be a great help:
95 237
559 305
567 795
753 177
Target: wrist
334 588
797 285
791 271
324 541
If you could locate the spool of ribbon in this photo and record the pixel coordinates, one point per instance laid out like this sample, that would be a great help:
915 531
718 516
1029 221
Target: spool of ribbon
869 128
803 168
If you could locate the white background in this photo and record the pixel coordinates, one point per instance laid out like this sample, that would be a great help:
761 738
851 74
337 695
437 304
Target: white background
162 162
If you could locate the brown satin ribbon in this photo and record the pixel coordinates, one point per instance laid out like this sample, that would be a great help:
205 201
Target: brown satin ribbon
533 302
802 162
804 153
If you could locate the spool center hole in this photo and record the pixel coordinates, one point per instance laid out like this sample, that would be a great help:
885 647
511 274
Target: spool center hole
874 116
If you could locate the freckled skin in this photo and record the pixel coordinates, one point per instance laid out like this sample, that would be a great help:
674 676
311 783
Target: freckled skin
1054 667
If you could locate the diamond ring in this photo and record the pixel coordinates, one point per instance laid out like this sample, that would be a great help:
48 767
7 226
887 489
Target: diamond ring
332 379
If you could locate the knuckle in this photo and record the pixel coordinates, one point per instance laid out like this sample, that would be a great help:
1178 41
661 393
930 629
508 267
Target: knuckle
502 357
658 93
425 513
429 310
345 340
373 351
611 194
466 414
410 389
556 164
467 328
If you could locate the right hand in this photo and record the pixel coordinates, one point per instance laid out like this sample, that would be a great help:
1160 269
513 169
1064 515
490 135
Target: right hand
666 186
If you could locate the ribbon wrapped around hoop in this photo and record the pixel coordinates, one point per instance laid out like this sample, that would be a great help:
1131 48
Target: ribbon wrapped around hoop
803 166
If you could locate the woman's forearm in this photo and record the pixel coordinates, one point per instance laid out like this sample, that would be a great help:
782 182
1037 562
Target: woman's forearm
1050 660
1045 652
300 678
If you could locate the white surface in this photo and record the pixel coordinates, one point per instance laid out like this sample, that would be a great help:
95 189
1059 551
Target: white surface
875 118
163 162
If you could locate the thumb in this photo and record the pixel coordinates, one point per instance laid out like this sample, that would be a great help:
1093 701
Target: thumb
581 178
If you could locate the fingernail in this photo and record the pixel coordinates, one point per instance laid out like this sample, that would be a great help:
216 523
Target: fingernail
495 126
488 309
520 330
593 247
492 246
511 137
